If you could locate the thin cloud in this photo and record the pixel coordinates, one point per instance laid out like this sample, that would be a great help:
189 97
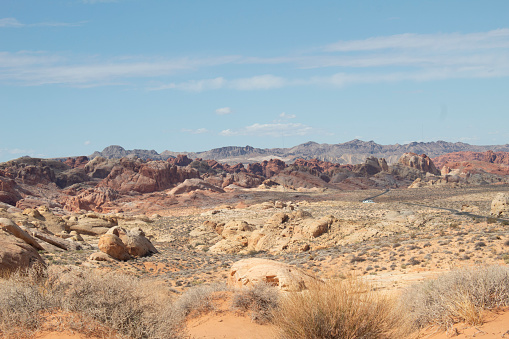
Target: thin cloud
13 22
91 2
223 111
384 59
267 81
273 130
443 41
261 82
287 116
195 131
86 143
46 69
10 22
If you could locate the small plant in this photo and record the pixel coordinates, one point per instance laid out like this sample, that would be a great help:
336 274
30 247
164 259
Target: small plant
339 309
454 225
460 295
261 300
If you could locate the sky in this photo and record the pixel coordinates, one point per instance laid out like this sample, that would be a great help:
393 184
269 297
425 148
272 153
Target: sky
79 75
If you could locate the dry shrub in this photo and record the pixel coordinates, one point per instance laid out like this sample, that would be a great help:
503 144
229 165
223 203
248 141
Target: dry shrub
346 309
125 304
21 302
260 300
460 295
198 299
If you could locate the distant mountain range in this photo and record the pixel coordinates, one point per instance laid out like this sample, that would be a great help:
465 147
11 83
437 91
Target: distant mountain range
351 152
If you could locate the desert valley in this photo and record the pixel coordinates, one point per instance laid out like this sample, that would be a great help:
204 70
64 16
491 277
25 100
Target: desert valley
216 245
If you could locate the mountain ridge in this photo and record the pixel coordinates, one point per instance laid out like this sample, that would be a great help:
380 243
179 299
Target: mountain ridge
350 152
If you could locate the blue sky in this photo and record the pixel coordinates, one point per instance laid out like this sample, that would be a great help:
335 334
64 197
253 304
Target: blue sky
79 75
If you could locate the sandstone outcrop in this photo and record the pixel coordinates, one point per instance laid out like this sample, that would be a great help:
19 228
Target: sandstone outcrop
8 192
122 244
91 199
420 162
136 176
15 254
137 245
180 160
249 272
92 224
500 205
491 157
194 184
100 167
9 226
114 247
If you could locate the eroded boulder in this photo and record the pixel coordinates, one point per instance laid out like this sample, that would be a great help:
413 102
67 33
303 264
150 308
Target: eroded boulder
15 254
252 271
500 205
114 247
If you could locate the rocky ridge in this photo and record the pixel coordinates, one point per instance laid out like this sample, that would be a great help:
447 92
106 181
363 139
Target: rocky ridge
351 152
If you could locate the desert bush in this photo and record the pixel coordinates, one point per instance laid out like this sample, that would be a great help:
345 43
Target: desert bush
460 295
127 305
346 309
198 299
260 300
21 302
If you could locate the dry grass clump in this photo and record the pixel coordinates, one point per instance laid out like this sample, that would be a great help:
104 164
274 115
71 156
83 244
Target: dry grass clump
21 302
345 309
127 305
198 299
260 300
458 296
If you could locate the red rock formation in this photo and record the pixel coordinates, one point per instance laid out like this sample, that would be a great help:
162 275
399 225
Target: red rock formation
180 160
90 200
242 179
136 176
8 193
421 162
77 162
317 165
501 158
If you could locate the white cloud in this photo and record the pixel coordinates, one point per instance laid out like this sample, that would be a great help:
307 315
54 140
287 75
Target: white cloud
260 82
10 22
442 41
384 59
266 81
86 143
273 130
287 116
224 111
97 1
195 131
13 22
33 68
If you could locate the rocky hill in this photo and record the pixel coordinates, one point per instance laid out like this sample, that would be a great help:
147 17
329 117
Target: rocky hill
351 152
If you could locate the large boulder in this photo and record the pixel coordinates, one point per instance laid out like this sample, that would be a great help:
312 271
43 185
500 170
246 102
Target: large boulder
134 240
194 184
114 247
252 271
7 225
500 205
15 254
315 228
93 224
